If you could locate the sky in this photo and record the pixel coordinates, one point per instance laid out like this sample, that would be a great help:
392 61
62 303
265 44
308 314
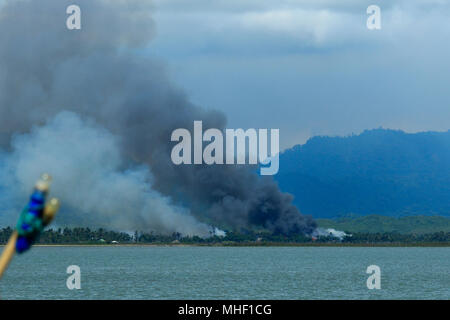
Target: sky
310 67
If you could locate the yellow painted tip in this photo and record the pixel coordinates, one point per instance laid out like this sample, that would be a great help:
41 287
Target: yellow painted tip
50 210
44 182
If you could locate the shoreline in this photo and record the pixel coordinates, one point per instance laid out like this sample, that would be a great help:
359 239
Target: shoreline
336 245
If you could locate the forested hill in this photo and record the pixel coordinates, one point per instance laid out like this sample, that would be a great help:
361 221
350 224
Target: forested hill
380 171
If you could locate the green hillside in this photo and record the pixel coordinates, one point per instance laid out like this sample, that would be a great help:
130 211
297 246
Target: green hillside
380 224
385 172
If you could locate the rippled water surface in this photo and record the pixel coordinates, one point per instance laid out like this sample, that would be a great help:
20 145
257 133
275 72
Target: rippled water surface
151 272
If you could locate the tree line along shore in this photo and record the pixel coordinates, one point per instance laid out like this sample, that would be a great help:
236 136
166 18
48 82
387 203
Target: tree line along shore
87 236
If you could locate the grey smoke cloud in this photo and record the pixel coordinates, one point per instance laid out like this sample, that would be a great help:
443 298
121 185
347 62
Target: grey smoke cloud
86 165
99 73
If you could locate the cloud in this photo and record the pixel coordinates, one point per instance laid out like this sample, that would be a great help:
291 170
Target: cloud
224 27
311 67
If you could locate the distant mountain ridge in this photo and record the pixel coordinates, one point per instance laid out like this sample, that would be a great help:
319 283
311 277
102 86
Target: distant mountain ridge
380 171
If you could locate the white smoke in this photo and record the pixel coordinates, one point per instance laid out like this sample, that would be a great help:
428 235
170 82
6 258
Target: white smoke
320 232
219 233
95 184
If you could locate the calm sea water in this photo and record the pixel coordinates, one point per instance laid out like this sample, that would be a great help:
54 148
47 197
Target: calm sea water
228 273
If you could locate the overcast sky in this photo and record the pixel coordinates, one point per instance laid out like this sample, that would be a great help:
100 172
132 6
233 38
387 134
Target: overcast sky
310 67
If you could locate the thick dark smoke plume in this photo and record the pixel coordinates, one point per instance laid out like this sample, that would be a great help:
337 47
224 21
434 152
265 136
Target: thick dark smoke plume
71 95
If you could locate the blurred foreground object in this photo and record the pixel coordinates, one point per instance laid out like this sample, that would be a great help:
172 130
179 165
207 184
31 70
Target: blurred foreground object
34 218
